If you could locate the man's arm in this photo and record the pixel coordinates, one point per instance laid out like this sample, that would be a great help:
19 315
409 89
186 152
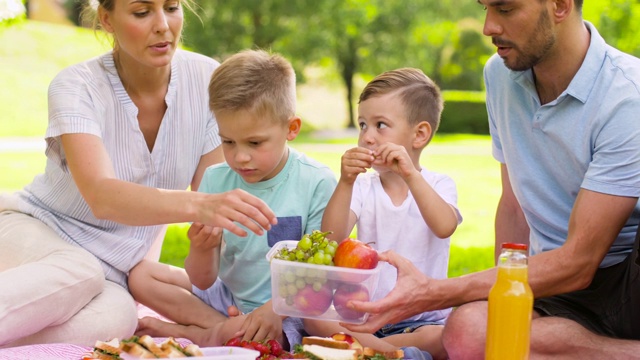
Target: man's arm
510 224
595 222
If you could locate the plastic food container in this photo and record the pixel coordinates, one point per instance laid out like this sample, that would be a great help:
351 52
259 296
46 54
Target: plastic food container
318 291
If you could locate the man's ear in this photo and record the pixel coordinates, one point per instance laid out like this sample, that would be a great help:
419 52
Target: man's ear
105 19
422 135
294 125
562 9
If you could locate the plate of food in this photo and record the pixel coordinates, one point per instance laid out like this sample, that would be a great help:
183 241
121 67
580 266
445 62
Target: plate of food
145 347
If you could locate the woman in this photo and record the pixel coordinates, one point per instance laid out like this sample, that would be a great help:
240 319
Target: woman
128 132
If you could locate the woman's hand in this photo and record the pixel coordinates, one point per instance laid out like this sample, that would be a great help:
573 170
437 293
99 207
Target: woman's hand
236 206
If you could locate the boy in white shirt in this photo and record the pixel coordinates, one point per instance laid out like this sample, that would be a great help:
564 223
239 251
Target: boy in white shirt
401 206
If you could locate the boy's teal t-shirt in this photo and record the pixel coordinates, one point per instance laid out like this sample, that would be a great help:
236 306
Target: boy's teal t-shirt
298 196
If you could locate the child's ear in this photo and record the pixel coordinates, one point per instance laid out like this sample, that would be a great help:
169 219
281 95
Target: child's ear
294 125
422 135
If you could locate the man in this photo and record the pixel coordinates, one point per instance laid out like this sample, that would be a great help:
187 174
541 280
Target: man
564 110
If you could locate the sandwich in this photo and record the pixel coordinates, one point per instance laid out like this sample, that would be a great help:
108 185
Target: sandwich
341 346
143 347
319 352
174 350
105 350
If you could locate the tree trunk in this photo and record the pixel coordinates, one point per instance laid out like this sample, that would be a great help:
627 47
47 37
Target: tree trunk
349 66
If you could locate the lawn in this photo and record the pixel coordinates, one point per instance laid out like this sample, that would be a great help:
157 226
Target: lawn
34 52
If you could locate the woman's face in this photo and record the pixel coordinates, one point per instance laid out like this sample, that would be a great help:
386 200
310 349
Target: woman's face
147 31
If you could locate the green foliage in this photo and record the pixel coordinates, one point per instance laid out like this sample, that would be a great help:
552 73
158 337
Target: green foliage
464 112
467 117
617 21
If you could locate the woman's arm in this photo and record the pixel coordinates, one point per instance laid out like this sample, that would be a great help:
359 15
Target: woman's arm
134 204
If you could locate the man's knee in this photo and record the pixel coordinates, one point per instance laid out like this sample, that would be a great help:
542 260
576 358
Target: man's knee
464 333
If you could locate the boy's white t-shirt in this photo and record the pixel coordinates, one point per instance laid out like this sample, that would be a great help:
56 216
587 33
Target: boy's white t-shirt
402 229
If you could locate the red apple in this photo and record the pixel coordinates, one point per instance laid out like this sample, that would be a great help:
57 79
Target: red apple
312 302
355 254
346 292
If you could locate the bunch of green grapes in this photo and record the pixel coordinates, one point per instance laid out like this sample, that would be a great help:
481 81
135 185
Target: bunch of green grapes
313 248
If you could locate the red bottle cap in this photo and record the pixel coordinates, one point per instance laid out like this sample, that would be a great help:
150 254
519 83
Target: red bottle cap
515 246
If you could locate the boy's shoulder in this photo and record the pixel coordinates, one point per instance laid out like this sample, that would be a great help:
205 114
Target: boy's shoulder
309 164
219 177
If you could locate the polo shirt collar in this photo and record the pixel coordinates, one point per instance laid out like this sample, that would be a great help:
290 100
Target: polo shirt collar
583 82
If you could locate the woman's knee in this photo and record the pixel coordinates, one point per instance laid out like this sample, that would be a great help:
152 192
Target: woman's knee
116 310
464 333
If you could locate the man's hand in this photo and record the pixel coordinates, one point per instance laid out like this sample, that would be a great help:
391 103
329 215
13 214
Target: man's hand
355 161
406 299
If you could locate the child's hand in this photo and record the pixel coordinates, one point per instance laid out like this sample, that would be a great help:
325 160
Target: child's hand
262 323
355 161
204 237
395 158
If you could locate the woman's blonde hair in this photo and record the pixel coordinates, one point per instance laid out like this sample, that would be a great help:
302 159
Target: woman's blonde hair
256 81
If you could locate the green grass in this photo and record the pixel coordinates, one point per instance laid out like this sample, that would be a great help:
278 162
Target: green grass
33 53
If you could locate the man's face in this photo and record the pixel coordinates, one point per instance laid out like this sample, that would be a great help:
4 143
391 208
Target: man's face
521 29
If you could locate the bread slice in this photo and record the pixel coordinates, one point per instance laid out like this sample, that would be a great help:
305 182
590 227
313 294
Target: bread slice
137 350
326 353
368 352
193 350
326 342
105 350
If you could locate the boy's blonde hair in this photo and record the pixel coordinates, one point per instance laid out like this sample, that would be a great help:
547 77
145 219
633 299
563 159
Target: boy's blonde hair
419 94
256 81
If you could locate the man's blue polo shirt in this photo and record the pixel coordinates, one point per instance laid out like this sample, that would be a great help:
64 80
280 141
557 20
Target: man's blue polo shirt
589 137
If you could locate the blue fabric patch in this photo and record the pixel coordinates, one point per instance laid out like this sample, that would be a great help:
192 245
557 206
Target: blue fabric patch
288 228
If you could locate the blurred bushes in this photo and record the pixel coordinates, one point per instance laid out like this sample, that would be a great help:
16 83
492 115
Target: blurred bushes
465 112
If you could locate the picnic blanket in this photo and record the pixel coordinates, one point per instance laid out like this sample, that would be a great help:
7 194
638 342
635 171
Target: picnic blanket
66 351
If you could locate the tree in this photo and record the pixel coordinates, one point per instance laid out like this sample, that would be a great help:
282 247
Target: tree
617 21
222 28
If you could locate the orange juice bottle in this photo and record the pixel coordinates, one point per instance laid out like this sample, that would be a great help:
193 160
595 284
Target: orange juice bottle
510 307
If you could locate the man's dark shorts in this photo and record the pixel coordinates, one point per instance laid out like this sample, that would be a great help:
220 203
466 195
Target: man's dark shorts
610 306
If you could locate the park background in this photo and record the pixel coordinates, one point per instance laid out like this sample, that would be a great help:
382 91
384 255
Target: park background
336 46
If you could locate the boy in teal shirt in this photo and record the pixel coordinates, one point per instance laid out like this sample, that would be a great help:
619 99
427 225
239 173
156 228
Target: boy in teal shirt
253 97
